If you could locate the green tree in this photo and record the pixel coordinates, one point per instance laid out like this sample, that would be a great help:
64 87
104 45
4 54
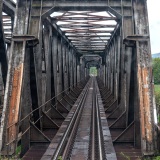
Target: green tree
93 71
156 70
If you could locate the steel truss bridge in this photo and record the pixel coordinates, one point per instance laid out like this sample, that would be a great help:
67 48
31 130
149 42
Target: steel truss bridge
50 106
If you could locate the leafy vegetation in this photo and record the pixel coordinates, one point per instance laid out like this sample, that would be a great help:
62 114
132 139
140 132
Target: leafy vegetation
15 157
157 94
126 157
18 150
156 70
157 158
156 74
9 158
93 71
157 98
59 158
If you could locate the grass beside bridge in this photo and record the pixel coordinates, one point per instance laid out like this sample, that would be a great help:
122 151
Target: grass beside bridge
157 98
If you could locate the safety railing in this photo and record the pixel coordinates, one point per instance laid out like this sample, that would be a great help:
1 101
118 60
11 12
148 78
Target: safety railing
28 116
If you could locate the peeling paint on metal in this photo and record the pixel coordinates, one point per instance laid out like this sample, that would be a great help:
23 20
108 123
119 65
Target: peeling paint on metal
146 125
14 103
145 73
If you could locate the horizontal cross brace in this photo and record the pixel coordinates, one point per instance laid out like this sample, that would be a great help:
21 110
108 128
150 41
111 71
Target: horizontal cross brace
87 26
70 36
84 18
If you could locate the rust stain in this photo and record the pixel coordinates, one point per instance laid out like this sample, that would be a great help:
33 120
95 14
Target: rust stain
14 102
141 104
145 114
147 106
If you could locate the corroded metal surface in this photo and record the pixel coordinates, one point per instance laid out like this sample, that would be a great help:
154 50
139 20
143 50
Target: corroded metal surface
14 105
145 104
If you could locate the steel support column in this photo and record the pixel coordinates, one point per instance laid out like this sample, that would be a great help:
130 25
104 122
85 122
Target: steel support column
47 47
144 79
54 58
15 81
59 68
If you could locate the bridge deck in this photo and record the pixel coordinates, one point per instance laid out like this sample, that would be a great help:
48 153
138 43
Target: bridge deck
79 147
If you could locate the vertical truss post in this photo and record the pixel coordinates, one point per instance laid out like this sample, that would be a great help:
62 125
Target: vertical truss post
115 68
72 63
106 69
59 73
109 69
144 78
35 28
118 49
47 46
15 81
69 72
44 48
70 66
78 69
112 64
66 68
127 28
126 54
82 68
54 58
104 73
62 62
74 67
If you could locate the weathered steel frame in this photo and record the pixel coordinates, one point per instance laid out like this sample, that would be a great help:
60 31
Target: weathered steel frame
117 56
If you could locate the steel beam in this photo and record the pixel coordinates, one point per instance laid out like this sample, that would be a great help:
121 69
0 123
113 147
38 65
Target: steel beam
47 45
54 58
144 79
9 7
59 69
51 6
12 100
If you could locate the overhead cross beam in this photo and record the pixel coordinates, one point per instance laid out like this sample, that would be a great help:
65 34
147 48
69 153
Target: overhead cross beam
88 30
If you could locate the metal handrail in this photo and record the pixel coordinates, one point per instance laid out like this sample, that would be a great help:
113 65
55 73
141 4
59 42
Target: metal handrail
41 106
27 116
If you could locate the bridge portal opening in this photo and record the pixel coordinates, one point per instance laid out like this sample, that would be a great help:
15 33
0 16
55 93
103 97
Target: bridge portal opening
93 71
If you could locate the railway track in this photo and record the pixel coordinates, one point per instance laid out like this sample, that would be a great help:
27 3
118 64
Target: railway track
88 146
85 137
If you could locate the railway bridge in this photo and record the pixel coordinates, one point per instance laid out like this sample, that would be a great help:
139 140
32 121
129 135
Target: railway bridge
50 103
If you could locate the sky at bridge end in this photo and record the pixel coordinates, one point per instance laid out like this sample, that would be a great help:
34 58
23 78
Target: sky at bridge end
154 24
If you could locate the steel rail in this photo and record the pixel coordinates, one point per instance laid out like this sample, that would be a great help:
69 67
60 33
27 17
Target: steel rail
99 133
96 132
93 124
70 140
71 124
